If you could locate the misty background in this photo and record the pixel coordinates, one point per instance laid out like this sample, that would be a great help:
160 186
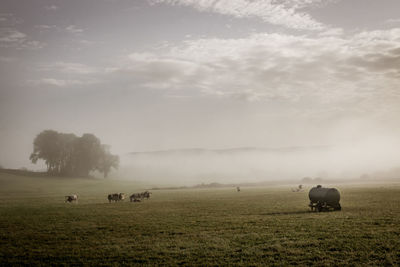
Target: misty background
188 91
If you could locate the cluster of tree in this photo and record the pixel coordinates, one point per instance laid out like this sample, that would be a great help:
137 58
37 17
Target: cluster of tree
67 154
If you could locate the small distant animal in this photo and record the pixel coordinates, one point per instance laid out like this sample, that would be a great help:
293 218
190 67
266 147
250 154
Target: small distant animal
135 197
138 197
238 189
116 197
72 198
298 189
146 194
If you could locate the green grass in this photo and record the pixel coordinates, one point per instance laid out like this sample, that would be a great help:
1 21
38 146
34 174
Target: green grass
257 226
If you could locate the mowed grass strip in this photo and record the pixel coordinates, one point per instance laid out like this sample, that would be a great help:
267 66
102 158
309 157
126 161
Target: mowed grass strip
257 226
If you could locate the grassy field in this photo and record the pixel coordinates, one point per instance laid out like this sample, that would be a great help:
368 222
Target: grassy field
257 226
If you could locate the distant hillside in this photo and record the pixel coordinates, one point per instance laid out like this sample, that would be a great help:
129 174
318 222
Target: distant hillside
236 165
232 150
192 166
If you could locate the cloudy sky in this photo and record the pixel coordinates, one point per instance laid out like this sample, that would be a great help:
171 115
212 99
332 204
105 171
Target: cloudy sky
164 74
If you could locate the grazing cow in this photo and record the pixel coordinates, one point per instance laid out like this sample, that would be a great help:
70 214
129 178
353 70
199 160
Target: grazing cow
121 196
238 189
72 198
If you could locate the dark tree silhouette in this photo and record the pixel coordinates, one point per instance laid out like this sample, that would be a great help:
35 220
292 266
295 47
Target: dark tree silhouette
87 153
46 147
67 154
67 147
107 161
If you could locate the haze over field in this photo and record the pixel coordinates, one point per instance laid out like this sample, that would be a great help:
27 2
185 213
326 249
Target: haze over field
312 86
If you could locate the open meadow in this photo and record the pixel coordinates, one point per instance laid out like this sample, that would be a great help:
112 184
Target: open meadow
257 226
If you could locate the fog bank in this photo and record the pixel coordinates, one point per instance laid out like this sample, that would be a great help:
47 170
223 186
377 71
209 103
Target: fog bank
240 165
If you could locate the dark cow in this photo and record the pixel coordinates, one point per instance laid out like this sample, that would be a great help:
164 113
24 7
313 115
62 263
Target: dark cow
112 197
116 197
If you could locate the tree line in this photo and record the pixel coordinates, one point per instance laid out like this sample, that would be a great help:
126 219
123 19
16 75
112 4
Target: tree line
67 154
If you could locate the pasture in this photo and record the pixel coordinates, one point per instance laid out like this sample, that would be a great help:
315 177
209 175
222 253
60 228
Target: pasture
257 226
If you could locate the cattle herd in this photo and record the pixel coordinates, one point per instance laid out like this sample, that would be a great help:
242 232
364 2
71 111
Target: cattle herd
136 197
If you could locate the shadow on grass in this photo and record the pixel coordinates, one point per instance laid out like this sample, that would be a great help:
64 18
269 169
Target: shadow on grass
297 212
288 213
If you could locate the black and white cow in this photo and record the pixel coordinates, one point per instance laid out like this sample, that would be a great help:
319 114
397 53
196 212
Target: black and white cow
72 198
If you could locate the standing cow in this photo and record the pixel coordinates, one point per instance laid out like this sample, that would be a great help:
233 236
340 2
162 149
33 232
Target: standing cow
116 197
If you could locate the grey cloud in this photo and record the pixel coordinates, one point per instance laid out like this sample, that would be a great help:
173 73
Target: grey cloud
74 29
321 70
67 75
284 14
7 59
392 21
69 68
45 27
378 62
300 4
53 82
9 20
51 7
12 38
8 35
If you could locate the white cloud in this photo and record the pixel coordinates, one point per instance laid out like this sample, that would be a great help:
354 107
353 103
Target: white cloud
8 35
68 74
51 7
62 82
332 32
392 21
12 38
9 20
284 13
362 71
299 4
4 17
46 27
7 59
69 68
74 29
56 82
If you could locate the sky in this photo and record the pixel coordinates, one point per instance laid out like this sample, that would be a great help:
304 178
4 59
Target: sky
147 75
